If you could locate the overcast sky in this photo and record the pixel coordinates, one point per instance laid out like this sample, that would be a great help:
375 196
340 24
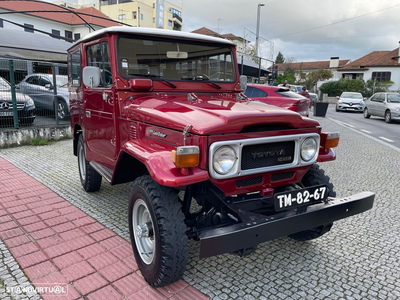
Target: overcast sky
282 21
371 25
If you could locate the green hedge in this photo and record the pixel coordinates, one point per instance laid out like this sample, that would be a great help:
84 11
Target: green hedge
336 88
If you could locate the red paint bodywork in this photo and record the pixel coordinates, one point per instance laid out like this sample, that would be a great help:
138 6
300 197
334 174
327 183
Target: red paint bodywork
300 105
122 124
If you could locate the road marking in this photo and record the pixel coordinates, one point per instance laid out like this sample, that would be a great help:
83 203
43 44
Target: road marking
366 131
385 139
346 124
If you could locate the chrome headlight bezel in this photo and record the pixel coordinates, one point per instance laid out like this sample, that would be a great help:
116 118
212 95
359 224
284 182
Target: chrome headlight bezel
224 160
29 103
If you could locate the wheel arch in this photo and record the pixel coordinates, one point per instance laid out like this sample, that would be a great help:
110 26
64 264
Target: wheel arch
77 131
128 168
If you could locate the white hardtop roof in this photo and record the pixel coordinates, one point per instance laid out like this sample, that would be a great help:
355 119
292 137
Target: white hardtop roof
155 32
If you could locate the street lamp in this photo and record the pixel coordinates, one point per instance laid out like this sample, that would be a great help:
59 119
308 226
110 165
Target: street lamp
258 26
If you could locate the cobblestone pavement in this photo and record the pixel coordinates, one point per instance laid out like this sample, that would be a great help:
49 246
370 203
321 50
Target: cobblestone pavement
358 259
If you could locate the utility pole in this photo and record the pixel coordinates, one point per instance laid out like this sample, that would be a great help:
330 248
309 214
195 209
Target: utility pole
258 26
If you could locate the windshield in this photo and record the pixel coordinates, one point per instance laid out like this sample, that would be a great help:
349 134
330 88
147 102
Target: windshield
289 94
352 96
174 60
4 85
394 98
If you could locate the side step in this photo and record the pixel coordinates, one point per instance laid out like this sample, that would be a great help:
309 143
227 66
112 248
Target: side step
105 172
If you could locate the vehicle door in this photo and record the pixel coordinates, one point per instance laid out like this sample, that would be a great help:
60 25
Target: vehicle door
31 88
98 107
381 105
371 104
46 92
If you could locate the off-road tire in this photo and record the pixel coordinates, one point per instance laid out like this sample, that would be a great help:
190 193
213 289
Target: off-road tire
169 259
366 114
315 176
90 179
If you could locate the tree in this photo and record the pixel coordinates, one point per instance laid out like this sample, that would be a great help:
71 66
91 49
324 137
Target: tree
314 76
279 58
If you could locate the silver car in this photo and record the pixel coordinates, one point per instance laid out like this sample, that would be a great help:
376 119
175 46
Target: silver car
385 105
350 101
40 88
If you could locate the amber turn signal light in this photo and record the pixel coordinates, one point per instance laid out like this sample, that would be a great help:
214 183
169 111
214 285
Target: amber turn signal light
186 156
330 140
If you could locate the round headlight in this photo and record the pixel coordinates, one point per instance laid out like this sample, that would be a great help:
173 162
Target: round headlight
308 149
224 160
29 102
398 109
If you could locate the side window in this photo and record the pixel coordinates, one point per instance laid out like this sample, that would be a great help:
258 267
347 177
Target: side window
43 81
375 98
249 91
74 69
33 80
99 56
259 93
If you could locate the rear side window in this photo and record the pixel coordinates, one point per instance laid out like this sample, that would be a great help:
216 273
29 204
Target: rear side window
288 94
75 68
99 56
255 92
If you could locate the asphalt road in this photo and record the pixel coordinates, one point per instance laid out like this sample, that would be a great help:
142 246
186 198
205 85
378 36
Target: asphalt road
358 259
374 127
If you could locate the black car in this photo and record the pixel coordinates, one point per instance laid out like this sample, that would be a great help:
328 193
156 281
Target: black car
25 106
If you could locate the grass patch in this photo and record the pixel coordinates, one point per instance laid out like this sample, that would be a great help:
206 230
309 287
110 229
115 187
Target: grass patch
39 142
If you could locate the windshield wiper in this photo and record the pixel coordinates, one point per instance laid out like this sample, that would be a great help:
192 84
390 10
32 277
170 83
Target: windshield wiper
154 76
205 78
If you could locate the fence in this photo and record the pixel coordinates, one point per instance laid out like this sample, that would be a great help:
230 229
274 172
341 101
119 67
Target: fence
33 94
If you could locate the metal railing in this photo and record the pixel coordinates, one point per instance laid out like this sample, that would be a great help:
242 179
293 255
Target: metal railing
33 94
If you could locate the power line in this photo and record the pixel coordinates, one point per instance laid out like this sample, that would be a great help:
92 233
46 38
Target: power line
334 23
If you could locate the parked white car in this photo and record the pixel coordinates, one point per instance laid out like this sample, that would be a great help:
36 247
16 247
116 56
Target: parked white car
40 88
350 101
386 105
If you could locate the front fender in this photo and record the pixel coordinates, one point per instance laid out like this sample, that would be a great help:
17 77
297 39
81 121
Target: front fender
157 159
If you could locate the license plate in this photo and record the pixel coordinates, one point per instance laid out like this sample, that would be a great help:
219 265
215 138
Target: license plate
301 197
6 113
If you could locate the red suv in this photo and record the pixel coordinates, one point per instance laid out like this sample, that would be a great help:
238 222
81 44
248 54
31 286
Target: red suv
279 96
165 110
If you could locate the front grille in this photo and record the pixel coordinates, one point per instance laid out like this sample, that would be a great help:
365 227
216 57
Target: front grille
267 155
282 176
20 106
249 181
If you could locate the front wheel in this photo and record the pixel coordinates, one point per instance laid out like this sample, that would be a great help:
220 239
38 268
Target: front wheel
366 114
388 116
157 231
90 179
315 176
62 110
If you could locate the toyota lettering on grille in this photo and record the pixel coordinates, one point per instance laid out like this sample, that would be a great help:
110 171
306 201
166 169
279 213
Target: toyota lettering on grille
272 153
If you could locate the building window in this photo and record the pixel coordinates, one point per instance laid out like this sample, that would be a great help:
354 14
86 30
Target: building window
134 15
381 76
77 36
169 23
55 33
75 68
154 20
68 34
141 16
175 12
1 23
121 17
29 27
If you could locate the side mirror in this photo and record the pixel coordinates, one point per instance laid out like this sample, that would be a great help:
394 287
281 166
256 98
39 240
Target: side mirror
337 97
48 86
243 82
91 77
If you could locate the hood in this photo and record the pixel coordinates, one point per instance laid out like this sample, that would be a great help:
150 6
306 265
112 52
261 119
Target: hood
6 96
352 100
208 114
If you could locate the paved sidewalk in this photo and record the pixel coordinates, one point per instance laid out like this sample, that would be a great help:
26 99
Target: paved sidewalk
58 245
